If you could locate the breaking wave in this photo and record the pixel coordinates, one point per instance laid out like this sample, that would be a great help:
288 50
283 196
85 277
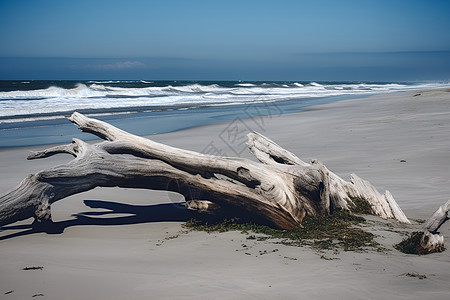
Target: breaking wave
25 102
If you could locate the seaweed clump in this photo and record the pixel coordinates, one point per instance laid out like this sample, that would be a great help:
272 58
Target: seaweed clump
360 205
335 231
409 245
413 245
416 275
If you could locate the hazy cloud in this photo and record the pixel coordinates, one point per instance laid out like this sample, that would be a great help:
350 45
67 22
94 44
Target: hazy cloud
120 65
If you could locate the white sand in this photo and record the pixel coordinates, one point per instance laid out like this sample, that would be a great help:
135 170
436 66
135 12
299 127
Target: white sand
145 258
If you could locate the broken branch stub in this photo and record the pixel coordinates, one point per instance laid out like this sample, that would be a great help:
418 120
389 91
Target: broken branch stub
428 240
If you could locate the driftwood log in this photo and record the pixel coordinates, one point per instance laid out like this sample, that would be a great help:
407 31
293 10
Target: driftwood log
428 239
280 188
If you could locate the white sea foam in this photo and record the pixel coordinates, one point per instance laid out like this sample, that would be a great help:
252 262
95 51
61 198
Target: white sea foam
102 96
247 84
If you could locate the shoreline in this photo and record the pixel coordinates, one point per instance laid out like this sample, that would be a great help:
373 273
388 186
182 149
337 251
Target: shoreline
399 142
148 123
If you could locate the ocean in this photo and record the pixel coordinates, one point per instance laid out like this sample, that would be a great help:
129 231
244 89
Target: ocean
34 112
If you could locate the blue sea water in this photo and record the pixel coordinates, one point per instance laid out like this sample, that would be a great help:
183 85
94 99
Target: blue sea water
33 112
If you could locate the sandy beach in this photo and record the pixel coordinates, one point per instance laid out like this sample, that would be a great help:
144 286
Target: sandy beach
130 244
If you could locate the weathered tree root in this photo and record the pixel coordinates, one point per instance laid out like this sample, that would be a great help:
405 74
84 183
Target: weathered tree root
280 188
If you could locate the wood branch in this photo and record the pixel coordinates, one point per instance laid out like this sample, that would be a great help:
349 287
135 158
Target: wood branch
268 152
431 241
342 194
437 219
428 240
281 188
71 149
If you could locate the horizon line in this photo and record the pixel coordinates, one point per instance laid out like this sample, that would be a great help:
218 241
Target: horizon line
188 58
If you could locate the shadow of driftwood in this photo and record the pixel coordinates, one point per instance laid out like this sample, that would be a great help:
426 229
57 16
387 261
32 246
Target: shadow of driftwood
135 214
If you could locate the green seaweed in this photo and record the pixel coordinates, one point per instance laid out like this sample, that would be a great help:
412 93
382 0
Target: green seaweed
410 245
416 275
320 232
360 205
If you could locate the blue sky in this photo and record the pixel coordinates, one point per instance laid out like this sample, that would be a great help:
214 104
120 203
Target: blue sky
225 40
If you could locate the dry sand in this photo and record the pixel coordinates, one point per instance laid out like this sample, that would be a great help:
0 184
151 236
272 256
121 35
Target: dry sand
129 244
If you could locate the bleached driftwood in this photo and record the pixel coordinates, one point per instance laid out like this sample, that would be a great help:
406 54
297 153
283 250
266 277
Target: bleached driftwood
280 188
428 240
